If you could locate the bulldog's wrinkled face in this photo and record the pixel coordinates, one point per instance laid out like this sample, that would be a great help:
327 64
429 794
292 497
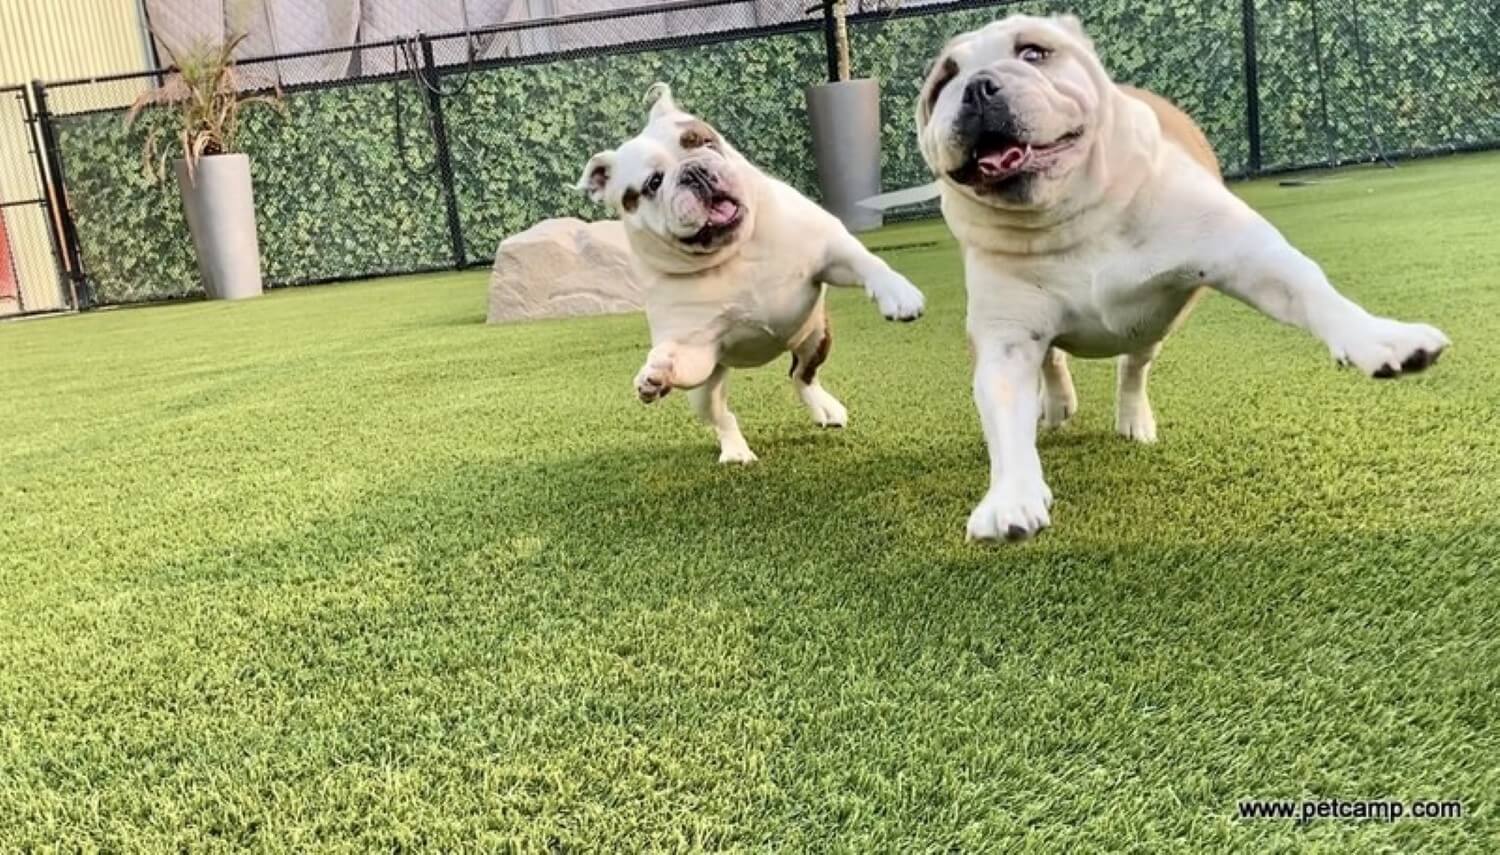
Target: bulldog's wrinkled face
1008 111
678 181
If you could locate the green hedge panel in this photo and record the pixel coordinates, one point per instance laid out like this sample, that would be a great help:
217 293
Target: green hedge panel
347 184
335 195
131 231
1399 75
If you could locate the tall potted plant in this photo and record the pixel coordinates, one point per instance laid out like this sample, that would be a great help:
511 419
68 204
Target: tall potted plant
845 116
218 197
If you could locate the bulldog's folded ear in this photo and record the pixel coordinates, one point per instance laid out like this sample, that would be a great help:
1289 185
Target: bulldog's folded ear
938 77
1073 25
659 99
596 175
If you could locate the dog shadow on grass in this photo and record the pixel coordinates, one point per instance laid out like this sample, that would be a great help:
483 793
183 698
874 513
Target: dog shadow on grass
840 512
555 588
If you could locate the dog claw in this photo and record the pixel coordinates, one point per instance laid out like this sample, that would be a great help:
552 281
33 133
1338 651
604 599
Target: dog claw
1418 361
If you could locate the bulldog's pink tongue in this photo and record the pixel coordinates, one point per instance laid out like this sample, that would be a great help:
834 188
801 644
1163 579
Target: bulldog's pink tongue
1004 163
722 212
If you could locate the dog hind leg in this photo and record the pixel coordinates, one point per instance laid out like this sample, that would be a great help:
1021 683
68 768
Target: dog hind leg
807 358
1060 399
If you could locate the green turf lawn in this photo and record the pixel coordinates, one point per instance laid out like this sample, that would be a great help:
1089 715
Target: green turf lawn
345 567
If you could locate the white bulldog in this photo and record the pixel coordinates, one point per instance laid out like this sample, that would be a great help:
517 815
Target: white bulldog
734 264
1090 215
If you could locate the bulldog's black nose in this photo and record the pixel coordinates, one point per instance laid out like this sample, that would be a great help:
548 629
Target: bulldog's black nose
981 90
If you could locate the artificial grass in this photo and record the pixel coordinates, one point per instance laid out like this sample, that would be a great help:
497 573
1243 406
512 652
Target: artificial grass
344 568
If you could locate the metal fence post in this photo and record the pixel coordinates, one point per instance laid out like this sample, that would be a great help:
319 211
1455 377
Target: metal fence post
60 214
432 90
53 238
1252 85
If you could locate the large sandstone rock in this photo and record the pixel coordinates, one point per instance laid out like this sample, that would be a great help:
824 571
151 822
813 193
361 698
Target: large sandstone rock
563 268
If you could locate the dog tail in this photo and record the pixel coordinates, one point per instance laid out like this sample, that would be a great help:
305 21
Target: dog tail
659 99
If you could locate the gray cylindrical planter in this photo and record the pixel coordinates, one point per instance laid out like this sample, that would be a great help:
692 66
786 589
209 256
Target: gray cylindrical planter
220 207
846 142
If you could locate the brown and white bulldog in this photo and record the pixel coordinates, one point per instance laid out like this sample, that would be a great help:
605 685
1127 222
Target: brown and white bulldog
1090 215
734 263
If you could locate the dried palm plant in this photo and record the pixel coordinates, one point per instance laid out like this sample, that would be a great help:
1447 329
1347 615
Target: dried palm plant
208 93
840 12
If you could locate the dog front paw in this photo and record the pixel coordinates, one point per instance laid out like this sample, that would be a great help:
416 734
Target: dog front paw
654 381
734 450
1012 512
898 299
1137 423
1384 348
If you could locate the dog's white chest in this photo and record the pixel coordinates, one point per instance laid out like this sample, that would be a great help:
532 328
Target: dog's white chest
1101 302
767 323
1122 308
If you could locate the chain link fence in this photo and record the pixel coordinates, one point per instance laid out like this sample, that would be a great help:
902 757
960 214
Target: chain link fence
420 153
1352 81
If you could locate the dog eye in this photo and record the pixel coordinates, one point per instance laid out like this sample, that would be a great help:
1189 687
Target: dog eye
1032 53
653 184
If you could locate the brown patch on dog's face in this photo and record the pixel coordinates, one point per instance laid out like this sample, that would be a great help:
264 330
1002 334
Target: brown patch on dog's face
697 134
630 200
